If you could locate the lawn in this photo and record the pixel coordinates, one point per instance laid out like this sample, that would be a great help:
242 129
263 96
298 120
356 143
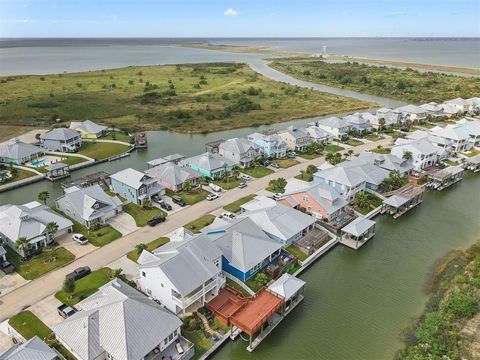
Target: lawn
309 156
117 135
450 162
237 287
374 202
252 284
85 286
21 174
373 137
190 197
286 163
296 251
73 160
306 177
471 153
106 234
353 142
199 340
196 225
235 206
134 255
257 171
28 325
50 259
187 98
142 215
333 148
231 184
99 150
403 84
381 150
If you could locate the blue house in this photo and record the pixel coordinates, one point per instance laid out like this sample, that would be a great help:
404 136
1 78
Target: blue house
246 248
210 165
135 186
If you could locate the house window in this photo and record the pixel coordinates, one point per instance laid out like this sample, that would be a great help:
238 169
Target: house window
170 337
143 274
149 292
305 198
166 341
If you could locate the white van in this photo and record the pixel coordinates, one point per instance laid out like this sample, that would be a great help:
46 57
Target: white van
245 177
215 187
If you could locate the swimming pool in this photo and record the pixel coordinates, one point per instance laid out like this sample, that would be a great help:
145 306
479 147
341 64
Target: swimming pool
39 163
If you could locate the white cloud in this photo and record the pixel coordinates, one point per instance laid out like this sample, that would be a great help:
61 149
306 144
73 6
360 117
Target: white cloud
231 12
396 14
25 21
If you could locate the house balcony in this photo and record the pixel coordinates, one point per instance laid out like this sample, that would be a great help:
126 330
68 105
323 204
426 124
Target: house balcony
180 349
197 294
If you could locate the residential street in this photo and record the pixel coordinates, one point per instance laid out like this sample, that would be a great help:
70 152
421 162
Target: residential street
39 289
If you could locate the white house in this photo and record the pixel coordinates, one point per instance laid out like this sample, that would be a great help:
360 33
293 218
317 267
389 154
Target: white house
433 110
423 152
464 106
358 123
335 126
450 110
240 151
61 139
391 117
388 162
318 135
472 129
271 146
89 205
297 139
413 113
135 185
343 179
454 138
182 273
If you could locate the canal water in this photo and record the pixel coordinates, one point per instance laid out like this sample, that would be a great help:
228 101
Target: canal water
358 302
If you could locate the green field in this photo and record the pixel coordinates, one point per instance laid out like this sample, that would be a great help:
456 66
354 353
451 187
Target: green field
257 171
333 148
85 286
196 225
190 197
403 84
152 245
142 215
100 150
235 206
189 98
285 163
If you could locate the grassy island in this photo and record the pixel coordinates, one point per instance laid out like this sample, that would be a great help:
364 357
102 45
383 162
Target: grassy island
189 98
403 84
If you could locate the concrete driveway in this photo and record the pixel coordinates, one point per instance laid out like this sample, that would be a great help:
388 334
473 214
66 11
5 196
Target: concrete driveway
124 223
46 310
10 282
75 248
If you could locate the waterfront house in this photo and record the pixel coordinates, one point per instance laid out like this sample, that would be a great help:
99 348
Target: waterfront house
374 175
413 113
30 221
388 162
281 223
472 129
61 139
358 232
434 111
240 151
17 152
391 117
343 179
320 200
245 247
450 110
173 158
318 135
464 106
475 104
182 273
89 205
135 186
335 126
210 165
453 138
119 322
33 349
357 122
88 129
271 146
297 139
172 176
424 153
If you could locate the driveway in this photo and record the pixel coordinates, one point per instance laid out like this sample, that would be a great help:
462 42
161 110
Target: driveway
124 223
10 282
46 310
130 269
75 248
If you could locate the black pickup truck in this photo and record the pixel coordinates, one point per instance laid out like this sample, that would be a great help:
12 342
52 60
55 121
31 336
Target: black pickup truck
6 267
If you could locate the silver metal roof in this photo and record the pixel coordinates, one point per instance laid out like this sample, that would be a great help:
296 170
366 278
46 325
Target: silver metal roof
359 226
33 349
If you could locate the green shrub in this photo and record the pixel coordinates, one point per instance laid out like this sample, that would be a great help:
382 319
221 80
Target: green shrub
460 305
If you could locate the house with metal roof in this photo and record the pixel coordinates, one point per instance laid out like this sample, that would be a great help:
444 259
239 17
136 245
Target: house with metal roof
245 248
240 151
450 110
172 176
318 135
280 222
88 129
388 162
374 175
182 274
358 232
424 153
320 200
433 110
135 185
344 180
454 139
119 322
391 117
472 129
61 139
335 126
413 113
210 164
89 205
297 139
33 349
358 122
464 106
30 221
272 145
17 152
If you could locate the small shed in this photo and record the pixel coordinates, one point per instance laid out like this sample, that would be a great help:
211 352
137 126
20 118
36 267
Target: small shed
358 232
290 288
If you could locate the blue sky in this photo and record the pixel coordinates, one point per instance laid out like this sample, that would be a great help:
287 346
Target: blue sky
238 18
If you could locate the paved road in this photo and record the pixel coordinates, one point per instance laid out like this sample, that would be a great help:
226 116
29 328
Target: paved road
38 289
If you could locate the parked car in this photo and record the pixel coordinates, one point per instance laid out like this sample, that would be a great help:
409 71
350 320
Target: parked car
157 199
277 196
245 177
212 197
66 311
79 273
79 238
275 165
242 185
178 200
156 220
215 187
165 206
6 267
227 215
265 162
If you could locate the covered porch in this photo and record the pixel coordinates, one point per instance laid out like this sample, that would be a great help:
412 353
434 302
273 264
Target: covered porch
357 233
180 349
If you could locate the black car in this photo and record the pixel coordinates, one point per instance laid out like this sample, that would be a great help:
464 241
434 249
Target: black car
79 273
156 220
66 311
178 200
6 267
165 206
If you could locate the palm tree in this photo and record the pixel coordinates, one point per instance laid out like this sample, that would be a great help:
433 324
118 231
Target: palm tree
187 186
361 200
43 196
201 180
407 155
302 174
52 228
350 152
23 246
140 247
116 273
381 124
